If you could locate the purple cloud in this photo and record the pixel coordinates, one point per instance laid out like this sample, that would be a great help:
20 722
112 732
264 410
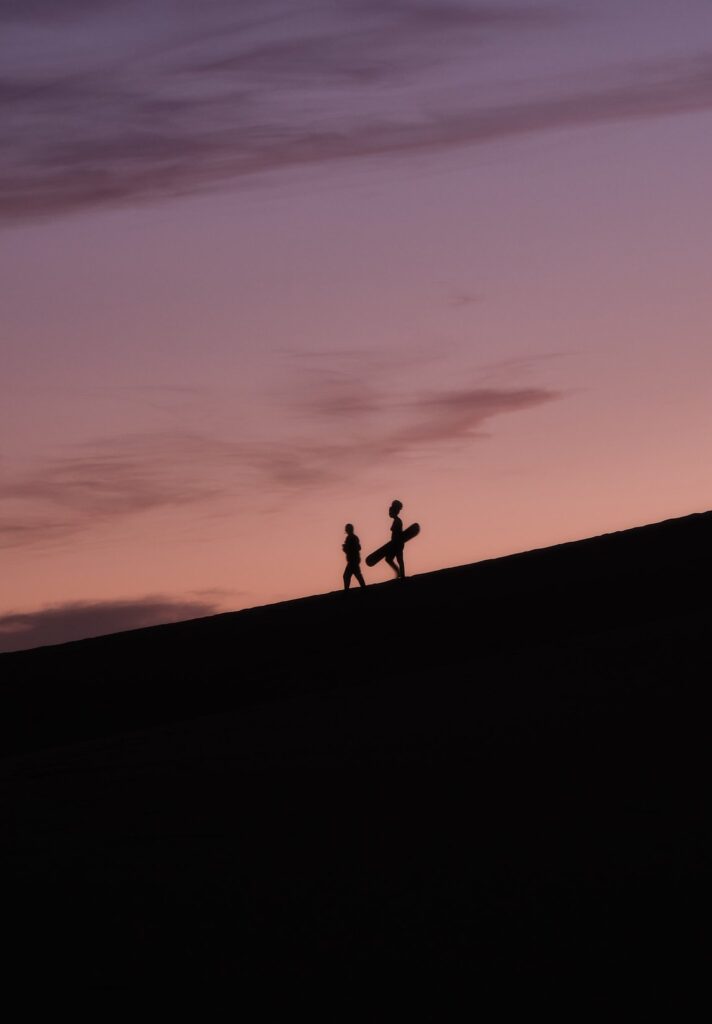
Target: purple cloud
49 10
459 415
74 621
188 104
93 485
96 483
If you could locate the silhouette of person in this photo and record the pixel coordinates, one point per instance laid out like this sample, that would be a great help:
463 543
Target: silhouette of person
352 548
397 544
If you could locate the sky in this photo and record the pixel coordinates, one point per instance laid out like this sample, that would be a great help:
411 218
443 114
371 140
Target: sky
266 266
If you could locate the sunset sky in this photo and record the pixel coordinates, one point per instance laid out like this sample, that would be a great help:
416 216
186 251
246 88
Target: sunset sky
266 265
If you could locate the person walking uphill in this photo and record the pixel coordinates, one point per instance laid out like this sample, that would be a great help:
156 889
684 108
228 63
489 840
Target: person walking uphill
393 550
397 542
352 549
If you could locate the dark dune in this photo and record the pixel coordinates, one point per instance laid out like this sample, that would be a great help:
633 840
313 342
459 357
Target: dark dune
492 776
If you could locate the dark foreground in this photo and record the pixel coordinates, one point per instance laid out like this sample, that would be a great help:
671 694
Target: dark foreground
491 778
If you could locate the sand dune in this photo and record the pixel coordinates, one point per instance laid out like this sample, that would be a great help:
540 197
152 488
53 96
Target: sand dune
491 774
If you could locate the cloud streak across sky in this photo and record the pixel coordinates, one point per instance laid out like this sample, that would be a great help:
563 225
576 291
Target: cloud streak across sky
107 480
116 105
76 620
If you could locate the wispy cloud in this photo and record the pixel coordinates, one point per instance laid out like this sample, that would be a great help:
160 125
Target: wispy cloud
461 415
23 11
98 482
345 422
74 621
174 104
367 41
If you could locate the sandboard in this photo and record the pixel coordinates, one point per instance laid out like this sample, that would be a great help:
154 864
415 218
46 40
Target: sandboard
380 553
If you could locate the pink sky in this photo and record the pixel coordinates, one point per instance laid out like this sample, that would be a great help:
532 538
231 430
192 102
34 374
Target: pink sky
267 267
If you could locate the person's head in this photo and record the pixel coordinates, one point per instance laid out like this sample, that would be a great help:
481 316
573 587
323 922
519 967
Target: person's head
395 508
349 527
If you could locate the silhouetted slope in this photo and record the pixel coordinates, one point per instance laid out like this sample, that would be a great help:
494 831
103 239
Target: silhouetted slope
495 771
435 621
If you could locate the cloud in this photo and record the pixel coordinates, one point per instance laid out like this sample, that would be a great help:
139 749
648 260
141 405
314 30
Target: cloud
148 108
361 435
139 159
122 475
49 10
367 41
74 621
343 425
25 529
460 415
98 482
362 438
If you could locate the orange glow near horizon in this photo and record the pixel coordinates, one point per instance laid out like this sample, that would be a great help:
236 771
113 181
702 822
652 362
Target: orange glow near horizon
509 334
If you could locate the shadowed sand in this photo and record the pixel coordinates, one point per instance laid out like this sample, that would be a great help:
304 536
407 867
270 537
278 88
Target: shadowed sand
495 773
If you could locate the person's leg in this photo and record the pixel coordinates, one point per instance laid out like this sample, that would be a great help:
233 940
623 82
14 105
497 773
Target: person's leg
393 566
347 577
401 564
359 576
